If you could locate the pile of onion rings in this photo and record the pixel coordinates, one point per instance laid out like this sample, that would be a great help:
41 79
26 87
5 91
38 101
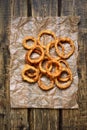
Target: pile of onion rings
39 62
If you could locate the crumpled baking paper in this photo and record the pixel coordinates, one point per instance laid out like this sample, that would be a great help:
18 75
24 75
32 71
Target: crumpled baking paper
25 95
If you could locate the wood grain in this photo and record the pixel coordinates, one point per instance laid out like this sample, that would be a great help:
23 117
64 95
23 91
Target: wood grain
77 119
4 61
18 8
2 127
44 8
44 119
19 117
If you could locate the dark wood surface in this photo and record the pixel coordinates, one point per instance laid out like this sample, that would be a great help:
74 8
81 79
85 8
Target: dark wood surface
4 64
42 119
77 119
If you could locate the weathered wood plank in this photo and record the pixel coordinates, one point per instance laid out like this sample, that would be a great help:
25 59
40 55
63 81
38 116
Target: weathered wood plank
1 80
19 117
54 8
2 126
4 61
44 119
81 10
77 119
44 8
29 10
19 8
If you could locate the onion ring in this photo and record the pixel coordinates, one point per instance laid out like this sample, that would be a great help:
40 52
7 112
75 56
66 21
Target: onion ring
43 69
26 77
64 79
29 38
44 87
57 69
66 85
35 60
62 40
64 62
49 46
48 32
26 56
31 74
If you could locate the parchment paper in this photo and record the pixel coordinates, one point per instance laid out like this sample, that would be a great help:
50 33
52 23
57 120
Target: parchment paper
25 95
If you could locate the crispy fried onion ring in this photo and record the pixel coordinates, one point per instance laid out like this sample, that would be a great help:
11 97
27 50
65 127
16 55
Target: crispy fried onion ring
43 68
31 73
63 63
48 32
26 74
66 71
26 39
64 40
64 83
49 46
57 69
35 60
43 86
26 56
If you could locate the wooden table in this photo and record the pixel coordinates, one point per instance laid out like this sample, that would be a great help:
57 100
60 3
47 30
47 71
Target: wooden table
42 119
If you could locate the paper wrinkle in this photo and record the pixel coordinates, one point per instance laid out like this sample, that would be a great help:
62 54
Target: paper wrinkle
25 95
